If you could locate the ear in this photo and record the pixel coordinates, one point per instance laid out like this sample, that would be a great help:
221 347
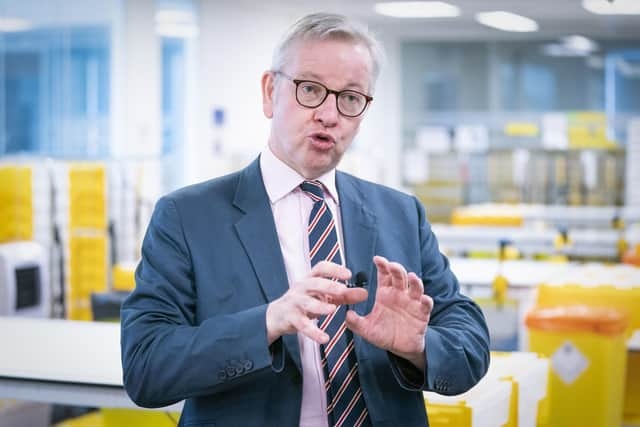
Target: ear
267 94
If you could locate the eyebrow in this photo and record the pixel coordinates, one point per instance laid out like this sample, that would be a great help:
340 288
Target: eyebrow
313 76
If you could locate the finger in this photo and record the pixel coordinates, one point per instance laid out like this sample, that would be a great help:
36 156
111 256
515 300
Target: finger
308 328
335 292
426 304
315 308
398 276
416 287
356 323
330 270
351 296
383 270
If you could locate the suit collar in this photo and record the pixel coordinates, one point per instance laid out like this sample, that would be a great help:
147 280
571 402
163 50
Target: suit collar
359 232
257 232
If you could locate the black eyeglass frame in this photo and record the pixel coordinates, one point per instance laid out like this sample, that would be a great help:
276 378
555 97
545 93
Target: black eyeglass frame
328 92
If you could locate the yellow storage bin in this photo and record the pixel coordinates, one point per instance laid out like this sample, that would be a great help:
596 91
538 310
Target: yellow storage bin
625 299
87 273
587 349
88 196
632 387
500 215
490 403
92 419
16 203
123 275
138 418
123 418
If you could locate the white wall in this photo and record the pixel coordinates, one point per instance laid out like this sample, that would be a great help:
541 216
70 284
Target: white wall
375 154
236 40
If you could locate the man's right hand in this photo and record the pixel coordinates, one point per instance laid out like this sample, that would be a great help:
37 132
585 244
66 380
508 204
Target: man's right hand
314 296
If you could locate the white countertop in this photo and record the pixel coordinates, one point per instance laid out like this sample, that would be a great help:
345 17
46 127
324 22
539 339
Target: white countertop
62 361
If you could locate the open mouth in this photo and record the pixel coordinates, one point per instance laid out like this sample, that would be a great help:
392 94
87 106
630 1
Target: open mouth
323 138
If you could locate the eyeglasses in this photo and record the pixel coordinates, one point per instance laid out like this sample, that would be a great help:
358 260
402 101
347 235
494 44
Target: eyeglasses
310 94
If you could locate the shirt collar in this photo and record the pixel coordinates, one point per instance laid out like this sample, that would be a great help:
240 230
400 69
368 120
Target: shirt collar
280 180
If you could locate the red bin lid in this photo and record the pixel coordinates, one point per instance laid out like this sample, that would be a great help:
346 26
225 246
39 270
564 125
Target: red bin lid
578 318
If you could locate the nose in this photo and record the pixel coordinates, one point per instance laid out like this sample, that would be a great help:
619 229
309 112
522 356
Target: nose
327 112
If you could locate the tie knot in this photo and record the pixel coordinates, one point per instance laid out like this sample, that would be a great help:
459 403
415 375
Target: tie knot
313 189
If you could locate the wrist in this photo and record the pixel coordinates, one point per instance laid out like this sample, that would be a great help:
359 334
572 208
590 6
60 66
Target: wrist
272 333
417 359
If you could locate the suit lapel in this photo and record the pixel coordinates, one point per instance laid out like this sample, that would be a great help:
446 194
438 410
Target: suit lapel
359 232
257 231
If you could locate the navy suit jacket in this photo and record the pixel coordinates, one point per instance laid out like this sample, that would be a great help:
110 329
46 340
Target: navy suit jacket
194 327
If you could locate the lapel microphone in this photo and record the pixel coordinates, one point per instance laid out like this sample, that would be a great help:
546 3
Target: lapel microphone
360 280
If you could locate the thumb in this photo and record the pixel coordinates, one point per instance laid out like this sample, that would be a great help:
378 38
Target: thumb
355 322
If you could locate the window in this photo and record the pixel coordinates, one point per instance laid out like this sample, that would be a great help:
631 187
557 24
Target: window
54 92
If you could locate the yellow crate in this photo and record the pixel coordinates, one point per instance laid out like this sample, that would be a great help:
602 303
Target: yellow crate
87 196
139 418
530 372
588 129
490 403
78 310
123 418
87 273
458 218
16 203
587 349
92 419
441 415
513 402
123 277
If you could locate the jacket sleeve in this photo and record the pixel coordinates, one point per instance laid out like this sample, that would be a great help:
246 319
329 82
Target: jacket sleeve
457 338
166 356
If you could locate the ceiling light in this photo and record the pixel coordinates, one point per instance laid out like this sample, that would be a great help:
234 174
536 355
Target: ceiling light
417 9
580 44
558 49
574 45
174 16
9 25
507 21
617 7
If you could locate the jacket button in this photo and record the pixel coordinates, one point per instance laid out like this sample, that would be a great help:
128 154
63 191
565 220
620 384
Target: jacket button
248 365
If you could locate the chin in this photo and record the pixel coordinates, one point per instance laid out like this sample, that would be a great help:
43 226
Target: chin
319 168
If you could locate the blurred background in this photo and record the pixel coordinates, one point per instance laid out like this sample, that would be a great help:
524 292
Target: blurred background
515 122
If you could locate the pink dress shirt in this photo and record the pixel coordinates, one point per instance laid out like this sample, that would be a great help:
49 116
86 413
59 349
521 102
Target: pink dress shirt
291 209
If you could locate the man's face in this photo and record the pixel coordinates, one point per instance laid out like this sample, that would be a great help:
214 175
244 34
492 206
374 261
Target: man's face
312 140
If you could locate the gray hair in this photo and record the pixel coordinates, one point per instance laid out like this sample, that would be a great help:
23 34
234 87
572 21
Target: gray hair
329 26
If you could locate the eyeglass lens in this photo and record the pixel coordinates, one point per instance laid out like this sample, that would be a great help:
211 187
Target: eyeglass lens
312 94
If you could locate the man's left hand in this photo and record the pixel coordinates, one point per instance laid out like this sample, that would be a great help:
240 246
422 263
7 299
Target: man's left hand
399 318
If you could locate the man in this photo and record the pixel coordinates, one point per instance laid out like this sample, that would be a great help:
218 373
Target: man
241 305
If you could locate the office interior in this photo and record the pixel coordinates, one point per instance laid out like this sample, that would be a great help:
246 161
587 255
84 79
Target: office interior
516 123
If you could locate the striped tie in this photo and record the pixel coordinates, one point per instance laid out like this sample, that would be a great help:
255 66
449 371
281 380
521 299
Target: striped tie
345 403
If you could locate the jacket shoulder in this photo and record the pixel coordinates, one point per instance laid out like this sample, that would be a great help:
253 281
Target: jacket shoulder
372 190
223 186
